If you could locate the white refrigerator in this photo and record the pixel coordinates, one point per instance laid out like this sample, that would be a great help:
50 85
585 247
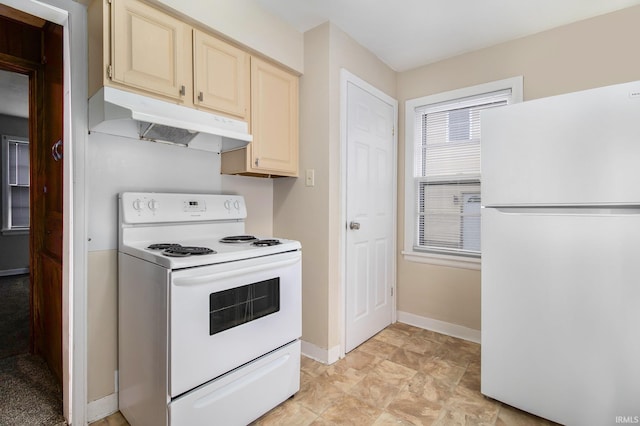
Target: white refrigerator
561 256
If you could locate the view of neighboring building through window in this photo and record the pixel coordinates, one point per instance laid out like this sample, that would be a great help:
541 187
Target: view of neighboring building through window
15 167
443 207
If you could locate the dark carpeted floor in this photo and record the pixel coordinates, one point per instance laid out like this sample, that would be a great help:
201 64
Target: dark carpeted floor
29 393
14 315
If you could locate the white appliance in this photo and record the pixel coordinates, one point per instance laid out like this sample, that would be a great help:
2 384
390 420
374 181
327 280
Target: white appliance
208 330
561 256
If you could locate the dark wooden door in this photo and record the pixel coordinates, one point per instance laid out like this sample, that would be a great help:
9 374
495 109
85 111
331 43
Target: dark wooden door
47 209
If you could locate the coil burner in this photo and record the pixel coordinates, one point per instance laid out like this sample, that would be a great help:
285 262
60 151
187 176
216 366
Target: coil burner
266 243
238 239
176 250
163 246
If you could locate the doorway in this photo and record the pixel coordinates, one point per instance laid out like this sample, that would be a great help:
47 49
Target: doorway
14 215
370 152
31 49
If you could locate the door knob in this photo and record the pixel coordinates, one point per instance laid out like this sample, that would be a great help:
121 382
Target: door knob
55 150
354 225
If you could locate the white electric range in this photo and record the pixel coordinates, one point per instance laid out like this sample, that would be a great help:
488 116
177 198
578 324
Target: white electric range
209 317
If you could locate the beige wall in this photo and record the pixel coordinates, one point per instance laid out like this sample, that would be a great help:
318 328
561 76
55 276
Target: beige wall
312 214
302 212
591 53
102 330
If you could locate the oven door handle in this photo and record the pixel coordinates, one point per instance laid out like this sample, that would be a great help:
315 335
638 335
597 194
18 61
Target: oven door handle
208 278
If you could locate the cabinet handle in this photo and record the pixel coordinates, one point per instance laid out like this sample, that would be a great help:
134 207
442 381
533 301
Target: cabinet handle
257 162
200 97
182 90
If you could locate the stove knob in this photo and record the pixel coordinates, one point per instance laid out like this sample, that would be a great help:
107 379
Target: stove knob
236 204
137 204
227 205
153 205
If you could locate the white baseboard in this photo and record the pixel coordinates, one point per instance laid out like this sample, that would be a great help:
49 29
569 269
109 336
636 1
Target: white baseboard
325 356
101 408
438 326
333 355
18 271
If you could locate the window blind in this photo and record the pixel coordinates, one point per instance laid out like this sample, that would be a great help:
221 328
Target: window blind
447 173
16 197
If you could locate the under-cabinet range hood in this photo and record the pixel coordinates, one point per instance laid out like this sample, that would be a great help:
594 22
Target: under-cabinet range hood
121 113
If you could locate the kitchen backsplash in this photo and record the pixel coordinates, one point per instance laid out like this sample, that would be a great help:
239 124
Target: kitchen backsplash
117 164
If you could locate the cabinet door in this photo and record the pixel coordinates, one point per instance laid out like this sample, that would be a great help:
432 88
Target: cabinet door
150 50
274 120
221 75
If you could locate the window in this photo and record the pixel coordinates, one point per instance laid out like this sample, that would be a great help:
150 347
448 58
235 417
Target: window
15 184
442 179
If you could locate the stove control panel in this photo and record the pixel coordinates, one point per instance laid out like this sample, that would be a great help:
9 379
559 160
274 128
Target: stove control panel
195 206
152 207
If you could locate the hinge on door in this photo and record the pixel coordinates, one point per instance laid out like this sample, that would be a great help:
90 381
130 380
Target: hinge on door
109 71
393 133
391 291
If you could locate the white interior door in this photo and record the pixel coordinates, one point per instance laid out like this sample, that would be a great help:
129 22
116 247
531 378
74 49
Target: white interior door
370 214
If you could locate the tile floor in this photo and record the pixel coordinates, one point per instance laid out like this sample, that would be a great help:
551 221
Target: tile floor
402 376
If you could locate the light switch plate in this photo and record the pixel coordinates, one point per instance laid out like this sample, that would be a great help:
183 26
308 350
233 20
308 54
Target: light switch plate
310 177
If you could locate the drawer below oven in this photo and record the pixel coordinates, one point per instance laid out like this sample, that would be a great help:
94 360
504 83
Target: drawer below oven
244 394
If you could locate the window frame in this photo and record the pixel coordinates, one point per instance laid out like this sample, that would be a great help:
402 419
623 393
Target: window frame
7 228
515 84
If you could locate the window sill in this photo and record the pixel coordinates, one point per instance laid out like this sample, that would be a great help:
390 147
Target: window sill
443 260
15 231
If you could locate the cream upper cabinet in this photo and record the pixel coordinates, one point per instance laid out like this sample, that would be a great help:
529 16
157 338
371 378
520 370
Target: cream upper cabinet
150 50
274 125
274 119
137 47
221 75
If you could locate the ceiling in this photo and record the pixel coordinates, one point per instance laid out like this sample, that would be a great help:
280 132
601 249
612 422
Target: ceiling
406 34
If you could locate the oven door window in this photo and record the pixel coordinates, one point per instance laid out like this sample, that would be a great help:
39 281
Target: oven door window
236 306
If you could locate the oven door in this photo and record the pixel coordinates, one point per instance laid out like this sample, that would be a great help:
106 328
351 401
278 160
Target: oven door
223 316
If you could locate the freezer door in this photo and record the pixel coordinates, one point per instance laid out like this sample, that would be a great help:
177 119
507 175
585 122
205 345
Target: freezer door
560 317
579 148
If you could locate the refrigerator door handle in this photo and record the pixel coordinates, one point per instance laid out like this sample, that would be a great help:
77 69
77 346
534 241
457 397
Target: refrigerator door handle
570 210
